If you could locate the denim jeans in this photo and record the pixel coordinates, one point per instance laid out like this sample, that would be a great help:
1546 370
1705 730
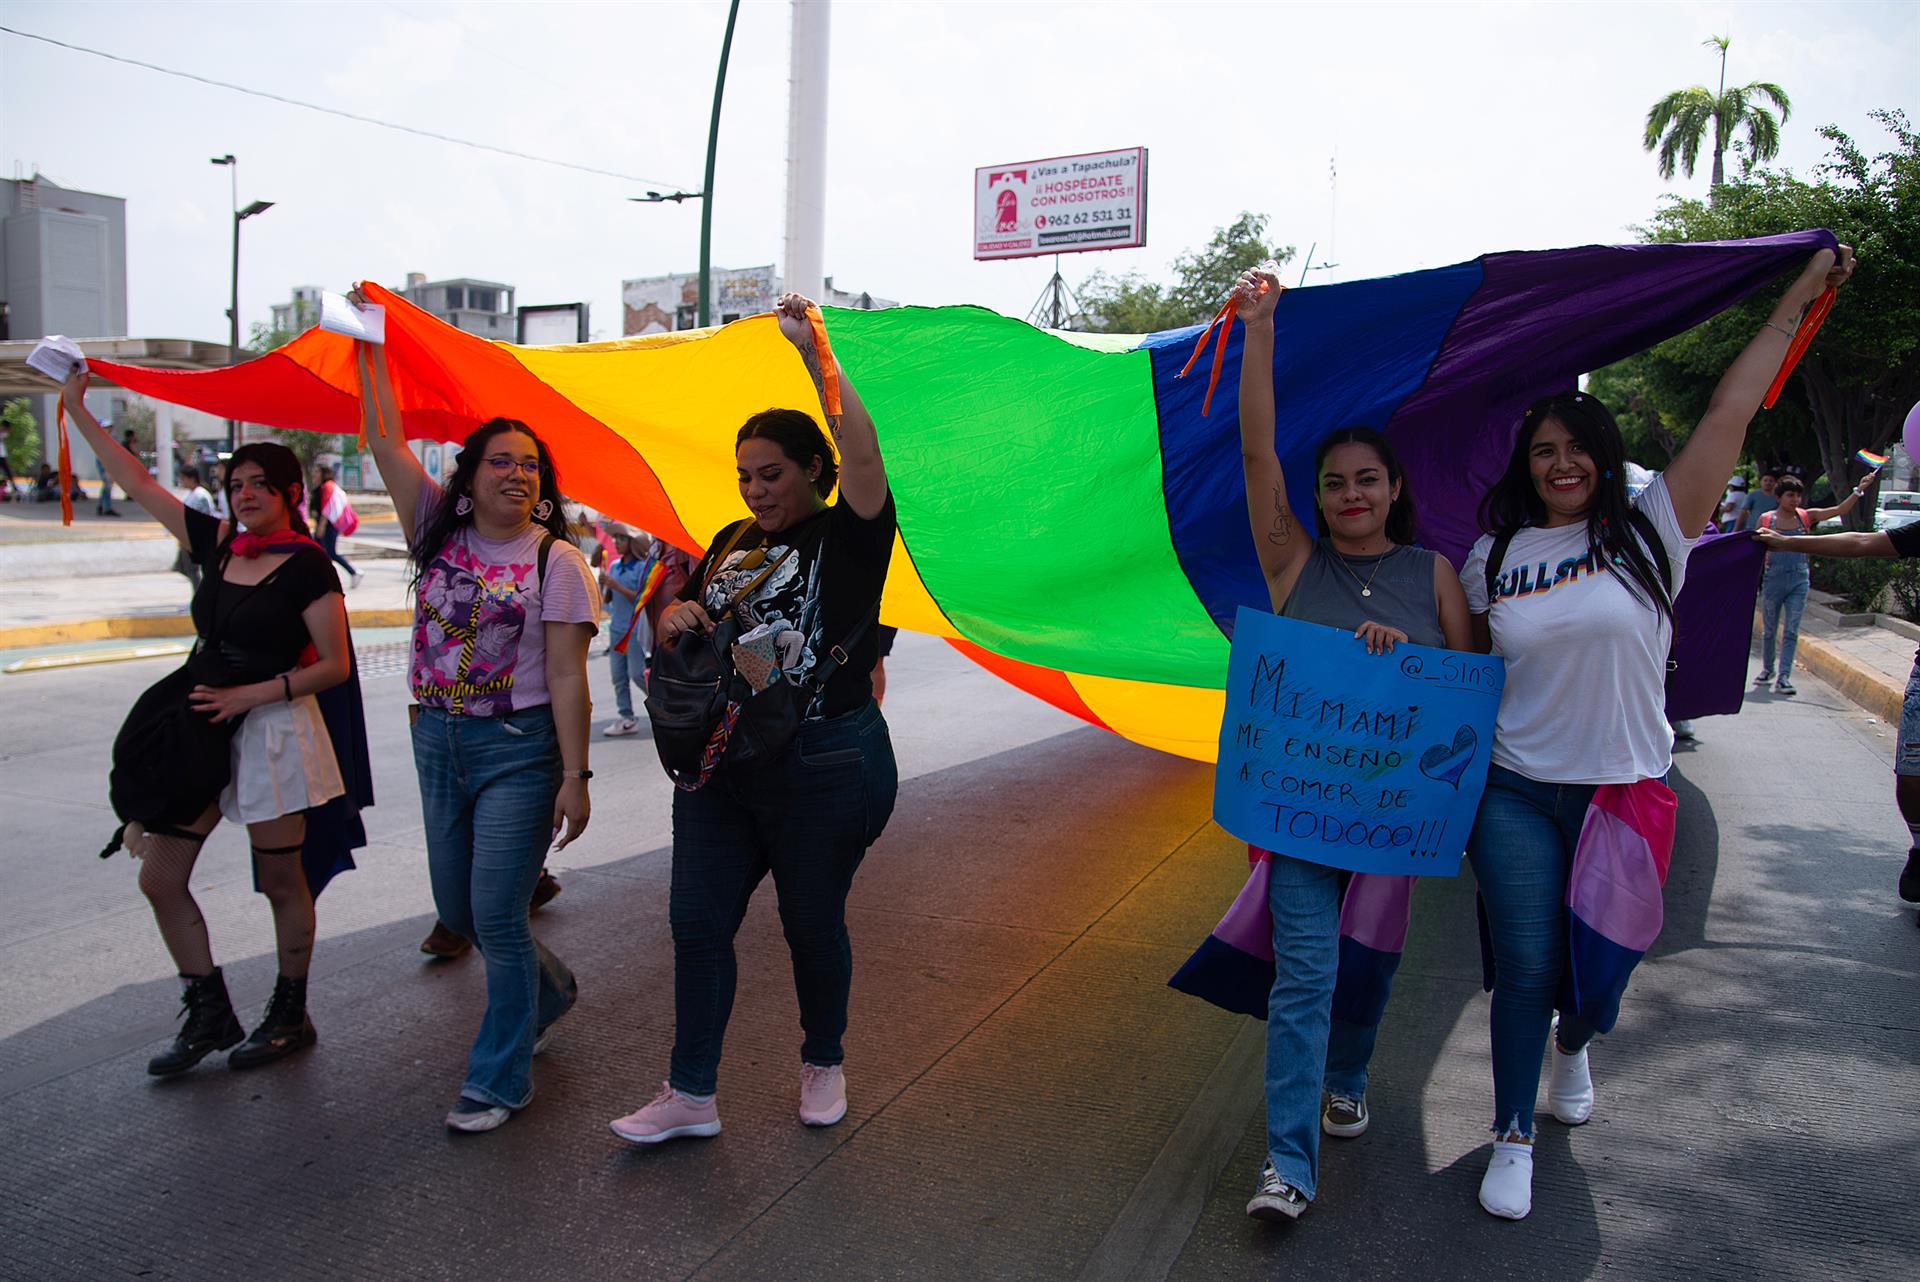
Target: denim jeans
1522 853
626 666
487 788
808 818
1307 1049
330 544
1781 594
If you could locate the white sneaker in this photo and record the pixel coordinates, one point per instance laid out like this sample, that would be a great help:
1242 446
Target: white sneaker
622 727
1507 1188
353 580
1569 1083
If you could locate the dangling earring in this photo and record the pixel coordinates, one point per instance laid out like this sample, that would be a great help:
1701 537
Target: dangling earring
543 509
462 505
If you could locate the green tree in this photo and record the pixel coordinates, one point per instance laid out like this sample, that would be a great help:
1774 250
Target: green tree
1678 123
1857 381
22 435
1131 304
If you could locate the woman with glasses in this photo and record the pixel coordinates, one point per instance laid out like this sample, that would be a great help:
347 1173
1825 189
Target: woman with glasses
505 608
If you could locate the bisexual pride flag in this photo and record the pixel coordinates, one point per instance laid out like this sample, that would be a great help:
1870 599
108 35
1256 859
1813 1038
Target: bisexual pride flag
1615 895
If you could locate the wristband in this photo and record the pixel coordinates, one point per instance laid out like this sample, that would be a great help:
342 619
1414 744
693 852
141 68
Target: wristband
286 686
1778 328
576 774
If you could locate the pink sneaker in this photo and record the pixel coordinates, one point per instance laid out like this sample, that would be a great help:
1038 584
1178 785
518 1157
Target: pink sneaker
823 1095
670 1116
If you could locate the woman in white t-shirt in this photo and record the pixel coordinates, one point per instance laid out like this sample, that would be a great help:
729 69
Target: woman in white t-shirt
1577 604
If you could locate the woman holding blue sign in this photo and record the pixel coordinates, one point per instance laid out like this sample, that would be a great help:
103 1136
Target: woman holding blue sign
1361 573
1573 585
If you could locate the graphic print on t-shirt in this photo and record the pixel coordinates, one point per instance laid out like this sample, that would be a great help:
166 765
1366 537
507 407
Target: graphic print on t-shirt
1530 580
786 604
467 635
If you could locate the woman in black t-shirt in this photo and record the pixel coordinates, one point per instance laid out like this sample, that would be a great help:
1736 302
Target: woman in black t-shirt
236 731
808 576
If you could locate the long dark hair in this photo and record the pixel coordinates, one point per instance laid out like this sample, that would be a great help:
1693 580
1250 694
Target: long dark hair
1513 501
284 476
1400 522
446 520
799 438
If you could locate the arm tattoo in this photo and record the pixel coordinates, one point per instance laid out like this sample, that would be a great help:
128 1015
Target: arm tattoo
1282 519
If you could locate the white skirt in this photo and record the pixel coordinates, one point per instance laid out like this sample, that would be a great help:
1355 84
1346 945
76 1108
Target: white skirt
283 763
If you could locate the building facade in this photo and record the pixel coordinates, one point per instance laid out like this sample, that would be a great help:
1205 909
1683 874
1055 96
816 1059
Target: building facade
299 313
482 307
63 270
657 304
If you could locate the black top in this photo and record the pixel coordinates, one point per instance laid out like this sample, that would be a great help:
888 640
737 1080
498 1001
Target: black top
829 587
250 632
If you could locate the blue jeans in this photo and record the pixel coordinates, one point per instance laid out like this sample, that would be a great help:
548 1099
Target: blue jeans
1781 594
1307 1049
626 666
807 818
1522 853
330 544
487 788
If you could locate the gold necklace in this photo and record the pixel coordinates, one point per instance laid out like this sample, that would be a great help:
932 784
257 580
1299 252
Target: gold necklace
1366 589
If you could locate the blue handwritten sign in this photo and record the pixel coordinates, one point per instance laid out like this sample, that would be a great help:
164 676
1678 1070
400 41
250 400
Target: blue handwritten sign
1373 762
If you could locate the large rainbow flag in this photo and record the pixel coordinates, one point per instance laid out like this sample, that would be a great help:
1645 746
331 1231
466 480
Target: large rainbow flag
1068 518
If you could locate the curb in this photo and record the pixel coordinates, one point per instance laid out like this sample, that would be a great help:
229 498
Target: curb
138 627
1866 686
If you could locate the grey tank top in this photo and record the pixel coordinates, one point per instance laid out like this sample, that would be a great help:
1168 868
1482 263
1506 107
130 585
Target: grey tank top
1328 592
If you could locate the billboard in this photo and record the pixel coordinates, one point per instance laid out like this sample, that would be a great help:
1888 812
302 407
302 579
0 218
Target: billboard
1063 205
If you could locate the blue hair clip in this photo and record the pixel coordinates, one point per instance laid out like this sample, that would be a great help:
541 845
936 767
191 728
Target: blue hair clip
1608 474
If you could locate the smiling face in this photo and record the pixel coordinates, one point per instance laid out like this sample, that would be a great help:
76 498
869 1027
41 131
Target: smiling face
1563 473
255 503
506 484
1354 493
778 490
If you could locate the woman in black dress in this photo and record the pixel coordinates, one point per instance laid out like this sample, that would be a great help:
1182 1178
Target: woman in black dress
236 731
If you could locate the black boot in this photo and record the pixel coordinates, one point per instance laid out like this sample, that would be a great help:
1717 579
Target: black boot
210 1026
283 1030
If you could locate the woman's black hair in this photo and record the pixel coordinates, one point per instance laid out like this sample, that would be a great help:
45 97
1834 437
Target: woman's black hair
321 475
1400 522
446 520
1513 502
1788 481
284 477
799 438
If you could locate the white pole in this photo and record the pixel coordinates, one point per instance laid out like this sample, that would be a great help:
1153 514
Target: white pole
163 442
805 261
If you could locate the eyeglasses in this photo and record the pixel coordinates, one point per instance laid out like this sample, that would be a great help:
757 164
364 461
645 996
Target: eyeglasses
504 465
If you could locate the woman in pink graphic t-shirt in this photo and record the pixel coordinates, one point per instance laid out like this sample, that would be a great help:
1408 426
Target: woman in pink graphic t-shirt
505 608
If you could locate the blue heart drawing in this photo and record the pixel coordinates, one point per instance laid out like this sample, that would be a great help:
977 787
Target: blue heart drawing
1447 764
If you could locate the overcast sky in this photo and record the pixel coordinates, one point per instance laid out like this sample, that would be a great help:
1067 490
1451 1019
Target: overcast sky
1459 129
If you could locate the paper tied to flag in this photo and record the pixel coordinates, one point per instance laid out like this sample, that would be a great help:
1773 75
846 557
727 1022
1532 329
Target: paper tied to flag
756 658
57 356
338 314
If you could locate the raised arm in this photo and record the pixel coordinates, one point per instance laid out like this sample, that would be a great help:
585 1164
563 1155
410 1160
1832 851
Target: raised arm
1695 479
863 473
122 468
1278 538
399 468
1815 515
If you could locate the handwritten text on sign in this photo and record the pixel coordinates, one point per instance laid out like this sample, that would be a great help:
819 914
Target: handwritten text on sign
1373 762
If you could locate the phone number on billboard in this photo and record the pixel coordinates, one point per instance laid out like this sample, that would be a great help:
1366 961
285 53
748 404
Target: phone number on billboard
1083 218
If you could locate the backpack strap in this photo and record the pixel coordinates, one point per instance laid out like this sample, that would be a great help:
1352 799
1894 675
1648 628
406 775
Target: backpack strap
1766 520
1496 555
540 564
1806 520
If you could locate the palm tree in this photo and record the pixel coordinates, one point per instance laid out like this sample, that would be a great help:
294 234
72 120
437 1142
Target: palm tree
1678 122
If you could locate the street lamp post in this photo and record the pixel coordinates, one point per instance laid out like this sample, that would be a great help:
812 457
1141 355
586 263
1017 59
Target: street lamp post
705 196
233 309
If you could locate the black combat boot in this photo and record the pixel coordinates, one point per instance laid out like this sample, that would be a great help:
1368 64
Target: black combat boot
283 1030
210 1026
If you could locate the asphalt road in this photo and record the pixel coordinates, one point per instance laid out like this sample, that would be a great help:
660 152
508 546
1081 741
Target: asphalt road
1028 1099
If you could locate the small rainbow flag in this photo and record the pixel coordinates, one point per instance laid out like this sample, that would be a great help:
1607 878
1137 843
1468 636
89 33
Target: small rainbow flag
1870 458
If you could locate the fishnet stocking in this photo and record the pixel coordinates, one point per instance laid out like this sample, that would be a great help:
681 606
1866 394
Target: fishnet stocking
166 864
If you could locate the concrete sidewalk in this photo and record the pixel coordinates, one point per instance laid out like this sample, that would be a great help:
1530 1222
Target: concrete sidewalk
1867 658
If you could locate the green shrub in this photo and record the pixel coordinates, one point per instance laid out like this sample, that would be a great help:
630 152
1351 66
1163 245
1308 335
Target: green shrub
1862 581
1906 587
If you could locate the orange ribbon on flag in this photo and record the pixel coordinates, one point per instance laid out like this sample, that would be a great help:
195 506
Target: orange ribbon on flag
66 465
1802 340
829 369
1223 322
